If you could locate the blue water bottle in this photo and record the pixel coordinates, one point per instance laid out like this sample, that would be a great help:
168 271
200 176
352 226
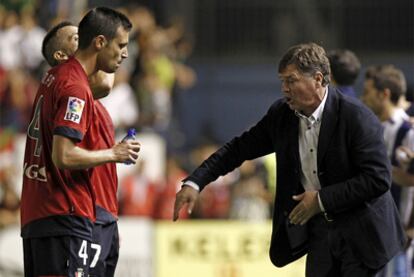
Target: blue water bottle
130 136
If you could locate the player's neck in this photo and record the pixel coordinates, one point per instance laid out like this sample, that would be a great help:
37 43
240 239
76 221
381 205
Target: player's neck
87 59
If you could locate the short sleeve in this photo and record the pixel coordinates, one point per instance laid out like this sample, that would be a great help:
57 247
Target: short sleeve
73 111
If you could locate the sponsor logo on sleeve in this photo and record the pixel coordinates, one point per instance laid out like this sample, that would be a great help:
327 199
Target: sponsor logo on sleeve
74 109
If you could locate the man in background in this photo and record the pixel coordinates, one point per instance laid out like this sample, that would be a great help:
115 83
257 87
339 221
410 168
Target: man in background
345 68
384 86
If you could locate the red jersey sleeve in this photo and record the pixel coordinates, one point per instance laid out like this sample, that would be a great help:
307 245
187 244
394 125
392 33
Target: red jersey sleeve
74 110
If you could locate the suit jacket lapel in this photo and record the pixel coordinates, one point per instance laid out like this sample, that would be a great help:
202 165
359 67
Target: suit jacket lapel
293 137
329 119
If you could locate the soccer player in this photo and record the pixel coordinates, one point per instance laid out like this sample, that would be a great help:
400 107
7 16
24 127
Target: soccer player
59 44
58 199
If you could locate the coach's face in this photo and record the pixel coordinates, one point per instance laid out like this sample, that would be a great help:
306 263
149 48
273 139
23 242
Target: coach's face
303 92
114 52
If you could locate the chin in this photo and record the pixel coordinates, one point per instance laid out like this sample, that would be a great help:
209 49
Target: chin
109 70
101 91
105 93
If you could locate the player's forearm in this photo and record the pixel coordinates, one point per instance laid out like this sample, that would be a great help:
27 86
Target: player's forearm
67 155
79 158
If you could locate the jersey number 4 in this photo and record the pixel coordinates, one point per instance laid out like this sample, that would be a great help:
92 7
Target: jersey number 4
33 131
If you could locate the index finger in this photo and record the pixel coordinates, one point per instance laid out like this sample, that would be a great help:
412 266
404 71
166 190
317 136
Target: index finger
294 212
134 143
178 204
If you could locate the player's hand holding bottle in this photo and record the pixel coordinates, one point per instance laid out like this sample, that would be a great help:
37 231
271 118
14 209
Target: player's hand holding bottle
127 150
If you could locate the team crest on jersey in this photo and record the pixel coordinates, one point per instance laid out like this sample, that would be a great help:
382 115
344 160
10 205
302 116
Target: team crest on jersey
74 109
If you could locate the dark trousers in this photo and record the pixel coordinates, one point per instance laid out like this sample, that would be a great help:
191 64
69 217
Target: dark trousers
106 238
59 256
329 255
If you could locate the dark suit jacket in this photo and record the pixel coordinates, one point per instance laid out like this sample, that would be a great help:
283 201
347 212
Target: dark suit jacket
353 170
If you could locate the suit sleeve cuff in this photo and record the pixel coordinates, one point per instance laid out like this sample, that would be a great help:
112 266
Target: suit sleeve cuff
320 203
191 184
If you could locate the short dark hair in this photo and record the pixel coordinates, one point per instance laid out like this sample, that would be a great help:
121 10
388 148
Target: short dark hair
308 58
101 21
50 43
345 66
388 77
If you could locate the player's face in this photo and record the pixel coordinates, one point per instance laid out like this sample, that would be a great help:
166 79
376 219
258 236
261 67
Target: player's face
300 90
68 37
115 51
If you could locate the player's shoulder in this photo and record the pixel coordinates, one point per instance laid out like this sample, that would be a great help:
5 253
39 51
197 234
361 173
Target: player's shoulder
69 67
70 73
69 78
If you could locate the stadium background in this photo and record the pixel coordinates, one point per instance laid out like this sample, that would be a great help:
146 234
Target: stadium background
199 72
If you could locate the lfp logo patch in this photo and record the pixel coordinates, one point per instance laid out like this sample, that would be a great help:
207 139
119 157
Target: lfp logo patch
74 109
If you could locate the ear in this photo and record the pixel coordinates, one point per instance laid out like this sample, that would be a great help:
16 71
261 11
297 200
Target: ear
318 78
100 42
60 56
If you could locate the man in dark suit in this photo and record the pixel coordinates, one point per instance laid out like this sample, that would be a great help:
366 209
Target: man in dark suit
332 197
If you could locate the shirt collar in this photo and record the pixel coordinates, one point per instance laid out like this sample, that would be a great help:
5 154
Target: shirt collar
316 116
397 116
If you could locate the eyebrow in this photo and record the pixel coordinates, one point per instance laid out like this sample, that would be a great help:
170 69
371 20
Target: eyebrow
293 75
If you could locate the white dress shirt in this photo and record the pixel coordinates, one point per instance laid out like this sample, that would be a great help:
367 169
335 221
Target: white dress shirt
309 128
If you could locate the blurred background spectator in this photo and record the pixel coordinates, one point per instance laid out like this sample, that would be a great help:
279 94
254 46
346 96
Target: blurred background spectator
250 198
9 199
345 68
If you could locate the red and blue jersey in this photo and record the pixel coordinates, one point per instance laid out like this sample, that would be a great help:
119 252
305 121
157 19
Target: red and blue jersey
56 201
